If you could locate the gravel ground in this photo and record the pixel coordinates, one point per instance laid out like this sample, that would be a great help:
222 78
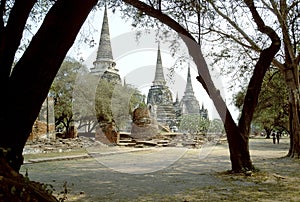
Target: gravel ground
163 174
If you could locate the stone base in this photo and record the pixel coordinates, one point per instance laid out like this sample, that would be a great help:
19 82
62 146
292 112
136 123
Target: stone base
144 132
107 135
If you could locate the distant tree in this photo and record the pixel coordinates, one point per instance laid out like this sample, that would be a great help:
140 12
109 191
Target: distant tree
193 124
116 103
272 109
216 126
84 101
62 92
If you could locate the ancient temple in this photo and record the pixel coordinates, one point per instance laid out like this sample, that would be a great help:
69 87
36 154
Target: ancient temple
159 97
104 65
189 103
176 106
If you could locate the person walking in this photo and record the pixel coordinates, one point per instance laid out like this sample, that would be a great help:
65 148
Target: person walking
277 137
274 138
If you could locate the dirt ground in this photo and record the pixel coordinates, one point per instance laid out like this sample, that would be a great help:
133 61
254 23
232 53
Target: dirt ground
170 174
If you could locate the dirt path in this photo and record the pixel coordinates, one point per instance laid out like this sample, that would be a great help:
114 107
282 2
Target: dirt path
172 175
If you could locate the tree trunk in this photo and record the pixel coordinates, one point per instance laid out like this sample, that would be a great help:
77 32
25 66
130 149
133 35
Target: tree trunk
268 132
10 37
291 75
290 70
33 75
294 151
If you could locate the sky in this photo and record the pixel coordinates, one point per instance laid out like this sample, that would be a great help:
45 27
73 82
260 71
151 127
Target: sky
136 60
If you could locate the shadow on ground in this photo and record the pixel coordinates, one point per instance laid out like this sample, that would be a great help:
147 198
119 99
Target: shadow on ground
191 178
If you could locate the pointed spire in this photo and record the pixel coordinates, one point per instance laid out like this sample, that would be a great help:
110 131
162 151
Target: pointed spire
189 88
104 52
159 78
104 60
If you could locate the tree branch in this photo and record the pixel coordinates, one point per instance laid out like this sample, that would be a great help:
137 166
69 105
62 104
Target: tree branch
236 40
266 57
12 35
282 18
2 10
233 24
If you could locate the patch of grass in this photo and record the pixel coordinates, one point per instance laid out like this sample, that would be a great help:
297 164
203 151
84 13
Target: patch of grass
261 186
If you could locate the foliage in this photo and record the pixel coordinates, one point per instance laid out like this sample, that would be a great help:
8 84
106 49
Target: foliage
116 103
193 124
226 30
216 126
272 109
84 101
62 93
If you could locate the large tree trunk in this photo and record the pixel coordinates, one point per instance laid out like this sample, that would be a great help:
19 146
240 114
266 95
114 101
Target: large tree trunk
290 69
33 75
292 80
294 150
10 37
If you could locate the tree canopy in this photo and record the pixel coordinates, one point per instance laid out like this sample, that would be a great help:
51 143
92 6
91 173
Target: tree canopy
62 92
193 124
116 103
271 112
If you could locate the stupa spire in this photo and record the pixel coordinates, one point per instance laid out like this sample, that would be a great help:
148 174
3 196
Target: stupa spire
104 59
189 88
159 78
104 49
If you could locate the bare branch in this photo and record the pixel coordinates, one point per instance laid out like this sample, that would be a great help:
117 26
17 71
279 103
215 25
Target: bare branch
294 4
233 24
265 59
268 6
282 18
235 39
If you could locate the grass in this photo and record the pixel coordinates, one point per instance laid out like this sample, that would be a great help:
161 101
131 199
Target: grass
265 186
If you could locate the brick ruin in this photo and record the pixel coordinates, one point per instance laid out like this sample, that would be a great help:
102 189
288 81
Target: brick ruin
44 126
